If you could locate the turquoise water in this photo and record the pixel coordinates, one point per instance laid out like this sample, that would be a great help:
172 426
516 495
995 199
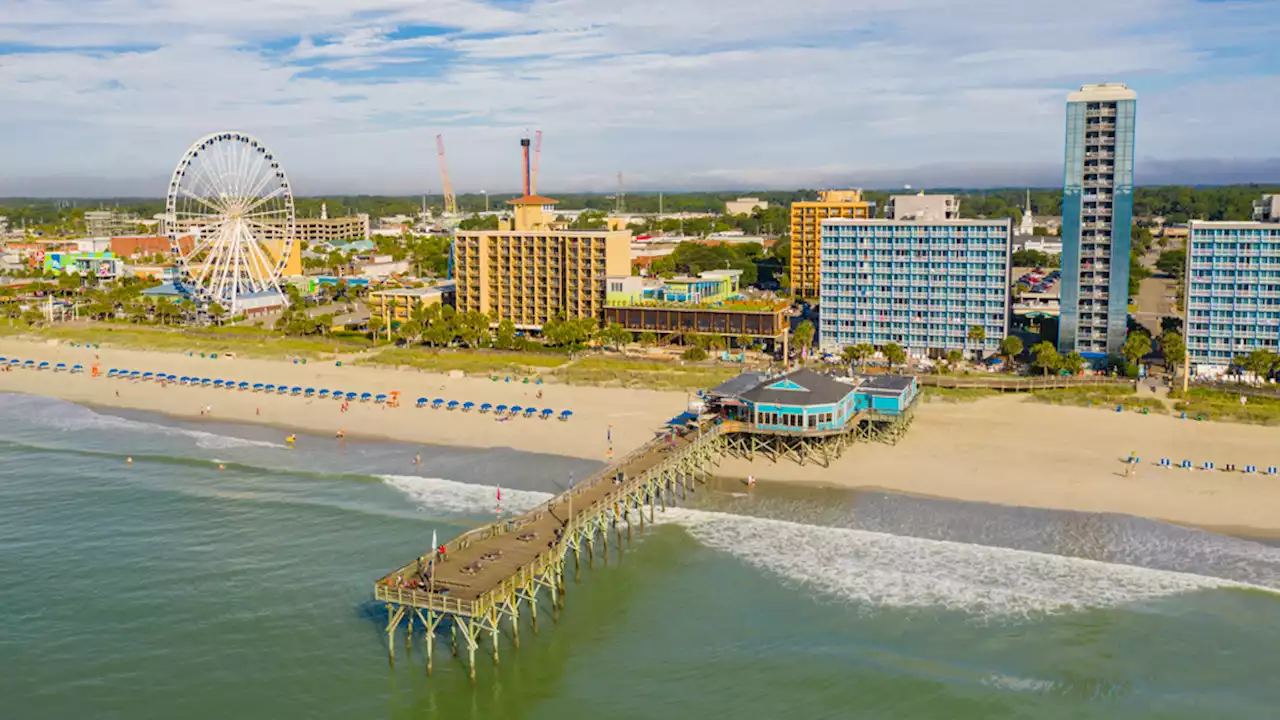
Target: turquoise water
170 588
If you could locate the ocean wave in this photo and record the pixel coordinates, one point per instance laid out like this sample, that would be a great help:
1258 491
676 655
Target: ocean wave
69 417
876 568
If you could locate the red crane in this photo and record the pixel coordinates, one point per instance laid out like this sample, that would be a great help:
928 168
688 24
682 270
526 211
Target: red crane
450 201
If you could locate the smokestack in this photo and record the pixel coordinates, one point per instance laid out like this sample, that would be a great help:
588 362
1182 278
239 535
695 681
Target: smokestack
524 145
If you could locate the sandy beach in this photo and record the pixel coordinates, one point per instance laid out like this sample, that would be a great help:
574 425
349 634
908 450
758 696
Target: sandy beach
1007 450
634 415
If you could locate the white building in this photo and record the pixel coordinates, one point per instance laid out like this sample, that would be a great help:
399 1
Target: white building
744 205
923 207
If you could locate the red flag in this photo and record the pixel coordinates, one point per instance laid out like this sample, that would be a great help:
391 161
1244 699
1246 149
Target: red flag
499 493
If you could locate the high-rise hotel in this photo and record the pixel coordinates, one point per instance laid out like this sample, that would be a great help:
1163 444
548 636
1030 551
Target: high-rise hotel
921 283
1233 290
806 234
1097 217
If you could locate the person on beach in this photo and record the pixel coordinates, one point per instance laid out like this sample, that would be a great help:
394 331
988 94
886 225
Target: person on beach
442 552
751 481
417 459
340 434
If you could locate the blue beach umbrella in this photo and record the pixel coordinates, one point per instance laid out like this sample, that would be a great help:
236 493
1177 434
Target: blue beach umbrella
59 366
44 364
530 411
380 398
29 364
323 393
422 402
268 388
366 397
145 375
2 359
500 409
15 361
243 386
351 396
547 412
205 382
452 404
468 405
258 386
216 383
486 407
282 389
296 391
308 392
566 414
437 402
77 368
516 409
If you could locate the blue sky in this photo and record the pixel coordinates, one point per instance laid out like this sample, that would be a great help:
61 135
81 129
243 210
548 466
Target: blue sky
673 93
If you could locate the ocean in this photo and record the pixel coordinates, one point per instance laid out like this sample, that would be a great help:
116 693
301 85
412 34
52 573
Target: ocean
171 588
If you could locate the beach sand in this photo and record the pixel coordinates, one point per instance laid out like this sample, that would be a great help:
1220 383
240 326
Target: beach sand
1012 450
634 414
1007 450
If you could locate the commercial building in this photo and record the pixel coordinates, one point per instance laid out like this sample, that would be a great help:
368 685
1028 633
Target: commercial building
326 229
1233 292
919 283
923 207
1265 209
744 205
1097 219
808 402
103 266
104 223
397 305
709 304
806 234
710 286
147 245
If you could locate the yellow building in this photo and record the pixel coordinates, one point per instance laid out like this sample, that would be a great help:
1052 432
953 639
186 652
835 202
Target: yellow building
396 305
806 234
529 272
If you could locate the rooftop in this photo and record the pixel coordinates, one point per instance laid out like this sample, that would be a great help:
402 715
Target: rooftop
1102 92
417 292
798 387
533 200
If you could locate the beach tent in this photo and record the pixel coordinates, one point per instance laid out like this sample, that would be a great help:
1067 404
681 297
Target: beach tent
422 402
566 414
323 393
77 368
548 412
466 406
380 398
486 407
452 404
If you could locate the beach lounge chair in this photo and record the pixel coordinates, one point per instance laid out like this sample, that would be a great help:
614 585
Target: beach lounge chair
323 394
422 402
453 405
565 415
486 407
379 398
467 406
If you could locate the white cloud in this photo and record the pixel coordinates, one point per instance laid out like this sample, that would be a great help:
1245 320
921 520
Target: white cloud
672 92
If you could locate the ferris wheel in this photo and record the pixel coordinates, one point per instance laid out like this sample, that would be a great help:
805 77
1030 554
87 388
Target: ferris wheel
230 220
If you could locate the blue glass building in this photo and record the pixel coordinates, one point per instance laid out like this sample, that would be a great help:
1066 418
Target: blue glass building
1097 219
919 283
1233 297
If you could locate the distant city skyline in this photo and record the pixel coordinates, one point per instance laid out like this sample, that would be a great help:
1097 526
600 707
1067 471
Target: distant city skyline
102 97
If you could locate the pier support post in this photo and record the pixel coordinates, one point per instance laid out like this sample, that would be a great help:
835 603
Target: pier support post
604 540
662 492
391 635
591 551
628 512
453 635
493 635
533 607
431 626
653 500
515 624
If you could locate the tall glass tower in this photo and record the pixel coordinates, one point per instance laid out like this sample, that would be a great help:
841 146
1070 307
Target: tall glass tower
1097 218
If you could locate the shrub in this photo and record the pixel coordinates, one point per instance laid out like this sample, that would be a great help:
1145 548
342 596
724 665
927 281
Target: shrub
694 354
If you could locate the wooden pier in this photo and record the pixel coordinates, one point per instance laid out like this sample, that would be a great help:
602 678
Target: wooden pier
505 569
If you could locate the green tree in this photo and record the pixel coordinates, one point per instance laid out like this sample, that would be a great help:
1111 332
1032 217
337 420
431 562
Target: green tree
1172 262
894 353
694 354
648 339
1073 363
1136 347
375 326
1261 363
1046 357
1174 350
506 334
1010 347
977 335
954 357
803 336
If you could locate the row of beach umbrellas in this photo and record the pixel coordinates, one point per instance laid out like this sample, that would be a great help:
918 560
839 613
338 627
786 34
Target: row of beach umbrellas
510 411
42 365
296 390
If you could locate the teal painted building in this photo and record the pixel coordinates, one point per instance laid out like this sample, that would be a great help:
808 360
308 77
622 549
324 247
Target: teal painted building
809 402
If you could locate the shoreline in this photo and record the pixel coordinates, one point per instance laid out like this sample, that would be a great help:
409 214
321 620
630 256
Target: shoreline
1003 450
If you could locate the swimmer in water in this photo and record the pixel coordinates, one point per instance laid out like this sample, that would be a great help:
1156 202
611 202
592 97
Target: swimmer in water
340 435
417 459
128 461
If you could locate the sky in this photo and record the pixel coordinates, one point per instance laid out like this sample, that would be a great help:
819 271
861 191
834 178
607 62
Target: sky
103 97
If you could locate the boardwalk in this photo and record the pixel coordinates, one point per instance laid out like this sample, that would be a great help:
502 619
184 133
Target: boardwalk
501 569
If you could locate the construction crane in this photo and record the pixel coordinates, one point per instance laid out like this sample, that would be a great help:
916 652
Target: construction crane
450 201
537 159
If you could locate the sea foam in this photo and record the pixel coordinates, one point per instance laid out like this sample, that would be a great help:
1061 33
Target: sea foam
876 568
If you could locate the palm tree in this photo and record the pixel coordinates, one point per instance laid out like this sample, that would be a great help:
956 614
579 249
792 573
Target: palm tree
803 336
977 335
1010 347
894 353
